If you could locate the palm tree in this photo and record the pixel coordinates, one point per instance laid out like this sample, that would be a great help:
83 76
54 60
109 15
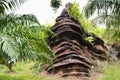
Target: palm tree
108 13
55 4
21 37
6 5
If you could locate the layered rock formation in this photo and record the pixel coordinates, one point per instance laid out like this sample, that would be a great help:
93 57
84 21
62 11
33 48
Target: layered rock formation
74 55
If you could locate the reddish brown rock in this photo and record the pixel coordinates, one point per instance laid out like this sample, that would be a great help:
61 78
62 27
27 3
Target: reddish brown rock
74 55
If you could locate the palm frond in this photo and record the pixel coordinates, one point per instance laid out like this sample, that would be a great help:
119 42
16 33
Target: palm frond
55 4
27 19
10 5
108 11
24 38
31 41
8 48
102 6
15 20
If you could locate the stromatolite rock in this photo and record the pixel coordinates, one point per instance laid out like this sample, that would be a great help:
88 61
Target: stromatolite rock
74 55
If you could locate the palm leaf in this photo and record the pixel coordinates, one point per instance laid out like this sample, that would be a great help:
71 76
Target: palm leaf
108 12
55 4
102 6
10 5
8 48
25 37
27 19
7 21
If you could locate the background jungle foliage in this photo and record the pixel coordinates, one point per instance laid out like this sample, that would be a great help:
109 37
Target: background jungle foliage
24 40
108 13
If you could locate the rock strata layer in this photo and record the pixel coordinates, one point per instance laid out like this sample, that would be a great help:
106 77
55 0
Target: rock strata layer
74 54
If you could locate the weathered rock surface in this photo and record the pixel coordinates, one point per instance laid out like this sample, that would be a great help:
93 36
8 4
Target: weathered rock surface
114 50
74 55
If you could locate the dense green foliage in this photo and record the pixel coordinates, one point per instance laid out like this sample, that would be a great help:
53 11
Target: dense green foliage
111 36
22 70
88 25
6 5
108 13
75 12
55 4
22 38
111 71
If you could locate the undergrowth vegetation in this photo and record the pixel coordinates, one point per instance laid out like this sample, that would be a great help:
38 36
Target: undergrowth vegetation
88 25
111 71
25 41
22 71
107 34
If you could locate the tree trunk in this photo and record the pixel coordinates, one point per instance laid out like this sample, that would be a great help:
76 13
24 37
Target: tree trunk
8 65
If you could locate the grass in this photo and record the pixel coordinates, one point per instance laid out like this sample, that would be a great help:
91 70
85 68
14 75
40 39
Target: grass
22 71
111 71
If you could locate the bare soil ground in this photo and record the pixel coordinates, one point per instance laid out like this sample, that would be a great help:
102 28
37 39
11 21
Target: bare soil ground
93 76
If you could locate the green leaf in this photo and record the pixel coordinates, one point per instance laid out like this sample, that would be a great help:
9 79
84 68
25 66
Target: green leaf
8 48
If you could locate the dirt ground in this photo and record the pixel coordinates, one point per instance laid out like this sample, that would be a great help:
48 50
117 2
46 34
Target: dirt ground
93 76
